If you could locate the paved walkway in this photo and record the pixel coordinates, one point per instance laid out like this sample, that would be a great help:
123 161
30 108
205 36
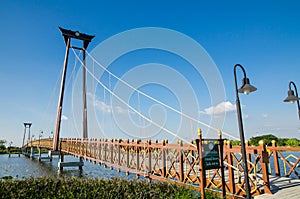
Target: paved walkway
282 187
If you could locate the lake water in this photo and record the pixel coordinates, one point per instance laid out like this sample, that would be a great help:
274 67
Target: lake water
23 167
292 157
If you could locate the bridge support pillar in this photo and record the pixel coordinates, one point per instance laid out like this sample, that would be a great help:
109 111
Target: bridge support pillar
49 157
40 153
81 163
52 153
32 152
61 157
62 164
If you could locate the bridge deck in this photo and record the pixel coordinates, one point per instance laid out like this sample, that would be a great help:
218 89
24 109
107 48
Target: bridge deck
282 187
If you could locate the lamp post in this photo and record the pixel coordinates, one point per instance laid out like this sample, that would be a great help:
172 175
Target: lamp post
246 88
31 139
40 135
292 97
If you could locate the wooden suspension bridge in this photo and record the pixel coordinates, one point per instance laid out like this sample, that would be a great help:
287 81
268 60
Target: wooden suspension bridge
181 163
187 164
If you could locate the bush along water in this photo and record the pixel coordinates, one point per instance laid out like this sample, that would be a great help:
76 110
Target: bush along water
47 187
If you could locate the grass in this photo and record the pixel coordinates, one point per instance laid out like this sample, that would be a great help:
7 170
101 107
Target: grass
48 187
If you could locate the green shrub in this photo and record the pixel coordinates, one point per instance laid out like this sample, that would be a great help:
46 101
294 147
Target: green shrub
91 188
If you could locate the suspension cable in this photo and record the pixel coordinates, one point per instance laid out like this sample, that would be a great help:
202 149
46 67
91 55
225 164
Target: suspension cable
157 101
134 110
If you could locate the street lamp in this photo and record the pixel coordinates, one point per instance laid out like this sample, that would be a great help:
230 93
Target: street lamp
246 88
292 97
40 135
31 139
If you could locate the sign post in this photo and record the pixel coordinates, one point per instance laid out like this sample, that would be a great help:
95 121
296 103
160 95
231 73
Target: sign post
210 153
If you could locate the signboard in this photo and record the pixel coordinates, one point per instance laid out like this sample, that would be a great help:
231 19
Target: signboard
211 156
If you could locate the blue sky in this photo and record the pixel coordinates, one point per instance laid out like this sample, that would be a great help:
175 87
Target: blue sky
263 36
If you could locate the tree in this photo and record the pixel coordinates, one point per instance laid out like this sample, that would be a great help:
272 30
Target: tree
282 141
266 138
2 144
235 142
292 142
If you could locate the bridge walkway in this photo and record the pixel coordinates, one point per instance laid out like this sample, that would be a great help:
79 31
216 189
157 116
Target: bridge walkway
282 187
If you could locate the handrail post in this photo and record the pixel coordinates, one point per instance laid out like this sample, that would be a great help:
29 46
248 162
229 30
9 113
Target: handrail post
137 157
248 155
230 169
105 151
163 159
149 160
221 149
201 164
264 166
97 148
127 155
119 154
101 151
180 157
84 146
275 157
111 153
93 148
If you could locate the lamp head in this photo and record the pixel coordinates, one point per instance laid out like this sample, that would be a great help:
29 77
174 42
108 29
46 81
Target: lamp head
291 97
246 87
77 33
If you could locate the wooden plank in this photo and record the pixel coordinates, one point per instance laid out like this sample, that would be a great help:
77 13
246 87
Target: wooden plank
282 187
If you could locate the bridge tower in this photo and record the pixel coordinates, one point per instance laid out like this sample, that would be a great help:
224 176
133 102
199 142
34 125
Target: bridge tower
27 126
68 35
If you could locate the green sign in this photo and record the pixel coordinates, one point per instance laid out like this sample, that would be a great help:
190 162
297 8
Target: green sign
211 156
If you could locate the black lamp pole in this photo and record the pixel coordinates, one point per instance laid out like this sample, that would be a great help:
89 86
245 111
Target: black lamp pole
246 89
291 96
40 135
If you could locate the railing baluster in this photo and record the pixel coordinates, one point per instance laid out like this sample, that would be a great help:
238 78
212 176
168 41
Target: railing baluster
119 153
275 158
264 166
137 157
180 159
230 169
149 158
163 157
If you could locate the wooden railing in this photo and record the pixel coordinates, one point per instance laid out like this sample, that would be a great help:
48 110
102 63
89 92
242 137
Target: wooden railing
179 163
284 160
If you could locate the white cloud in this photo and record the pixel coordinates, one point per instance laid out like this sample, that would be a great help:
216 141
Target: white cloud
63 117
103 107
119 109
220 108
245 116
265 115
